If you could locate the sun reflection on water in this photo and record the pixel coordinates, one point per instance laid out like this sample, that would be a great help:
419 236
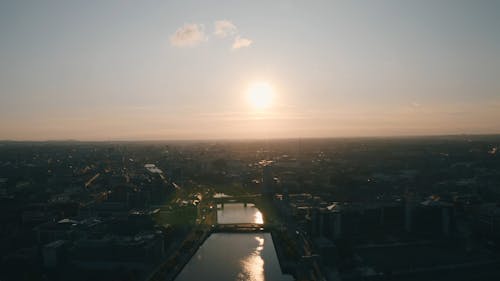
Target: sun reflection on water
258 218
253 265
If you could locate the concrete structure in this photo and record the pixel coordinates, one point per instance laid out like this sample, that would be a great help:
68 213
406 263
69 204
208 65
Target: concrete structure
53 253
267 180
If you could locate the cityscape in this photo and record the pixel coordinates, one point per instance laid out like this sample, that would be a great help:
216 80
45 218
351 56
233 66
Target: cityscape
230 140
334 209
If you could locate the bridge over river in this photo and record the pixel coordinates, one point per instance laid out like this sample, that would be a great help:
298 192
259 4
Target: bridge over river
237 247
245 199
239 215
241 227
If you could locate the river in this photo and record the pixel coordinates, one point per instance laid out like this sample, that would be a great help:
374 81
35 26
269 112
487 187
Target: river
238 213
235 256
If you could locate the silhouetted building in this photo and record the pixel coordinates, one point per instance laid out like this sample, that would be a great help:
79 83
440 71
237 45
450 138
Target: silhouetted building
54 254
267 181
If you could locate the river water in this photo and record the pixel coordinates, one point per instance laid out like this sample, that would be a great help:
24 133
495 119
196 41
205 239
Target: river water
238 213
235 256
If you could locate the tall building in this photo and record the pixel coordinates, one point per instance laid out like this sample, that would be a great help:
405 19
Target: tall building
267 180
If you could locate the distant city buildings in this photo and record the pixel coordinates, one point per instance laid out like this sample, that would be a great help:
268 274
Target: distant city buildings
360 209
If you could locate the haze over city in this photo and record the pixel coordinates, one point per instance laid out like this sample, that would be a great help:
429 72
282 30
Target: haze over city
151 70
229 140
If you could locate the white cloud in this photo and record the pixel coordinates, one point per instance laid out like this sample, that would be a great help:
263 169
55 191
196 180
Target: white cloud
189 35
240 42
192 34
224 28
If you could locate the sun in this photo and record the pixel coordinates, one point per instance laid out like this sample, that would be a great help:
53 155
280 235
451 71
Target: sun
260 95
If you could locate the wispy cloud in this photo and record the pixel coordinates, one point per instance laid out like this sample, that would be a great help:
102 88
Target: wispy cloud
224 28
189 35
240 42
192 34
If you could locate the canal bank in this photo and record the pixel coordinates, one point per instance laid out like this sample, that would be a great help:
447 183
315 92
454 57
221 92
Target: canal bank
175 262
287 263
246 252
239 247
235 256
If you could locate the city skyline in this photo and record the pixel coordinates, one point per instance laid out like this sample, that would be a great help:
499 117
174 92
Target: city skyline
126 70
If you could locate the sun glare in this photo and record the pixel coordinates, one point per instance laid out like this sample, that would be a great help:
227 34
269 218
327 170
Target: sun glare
260 95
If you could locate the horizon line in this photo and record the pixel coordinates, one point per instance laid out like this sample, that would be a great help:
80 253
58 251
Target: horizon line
131 140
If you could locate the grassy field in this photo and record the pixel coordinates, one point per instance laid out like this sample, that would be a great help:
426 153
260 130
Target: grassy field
177 216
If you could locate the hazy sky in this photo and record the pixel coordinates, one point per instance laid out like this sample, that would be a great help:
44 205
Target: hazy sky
109 70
